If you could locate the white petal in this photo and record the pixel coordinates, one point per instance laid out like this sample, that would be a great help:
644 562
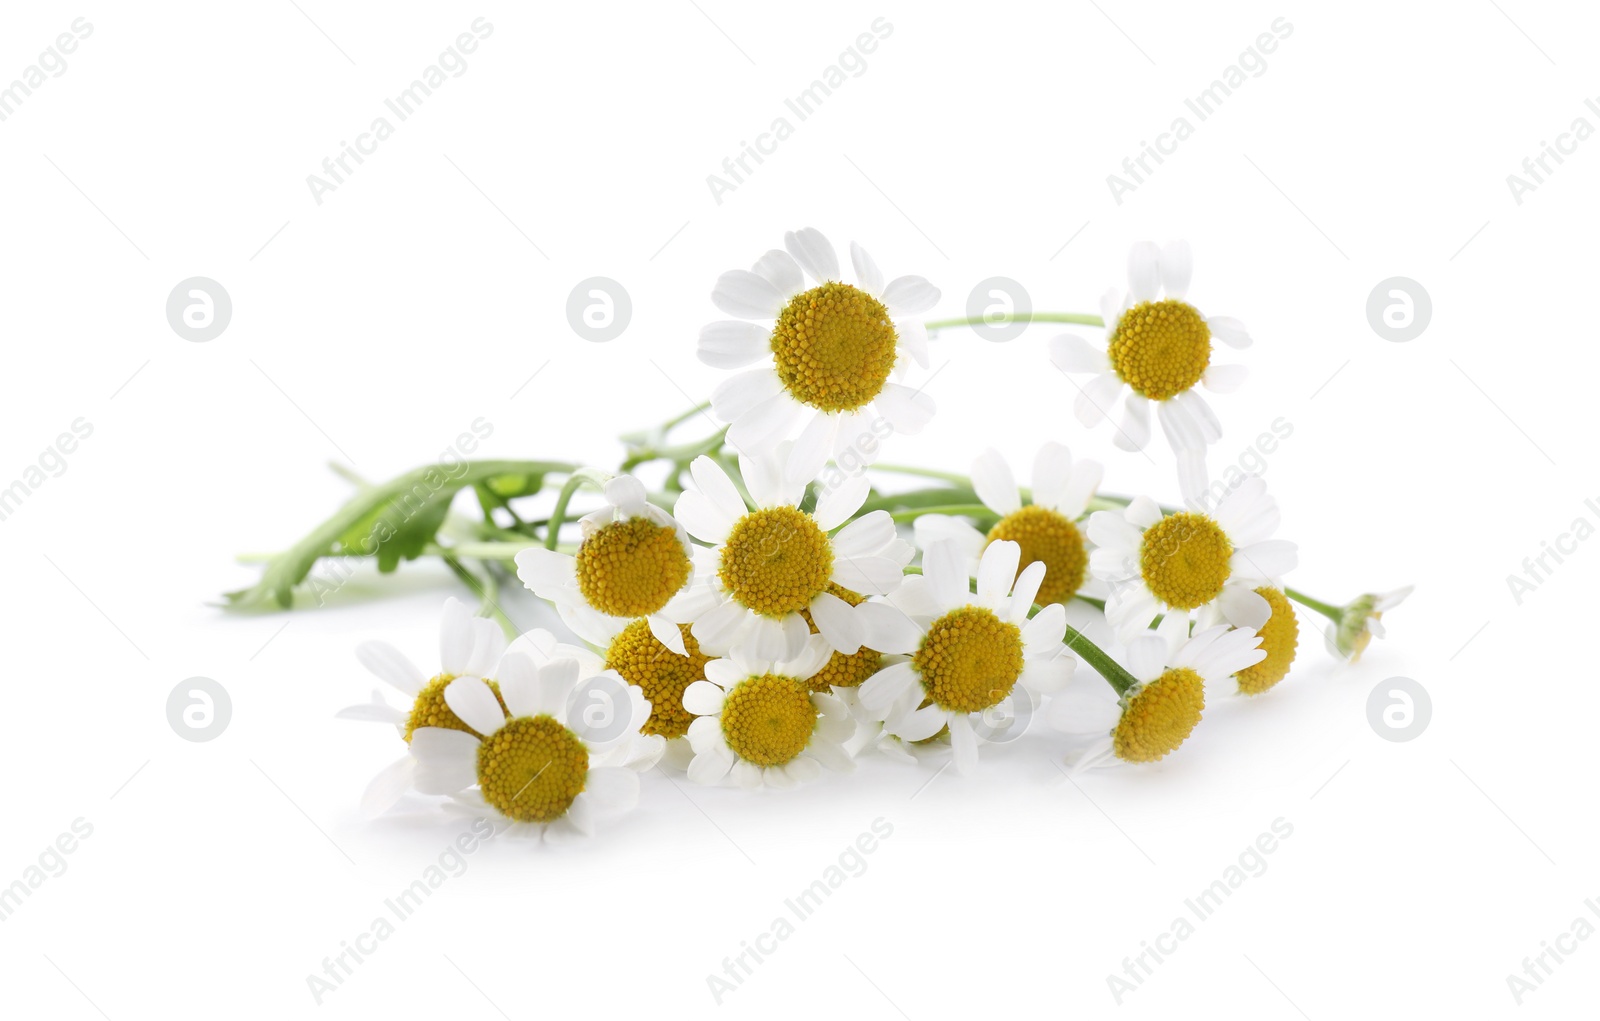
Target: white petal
667 633
813 252
455 637
946 572
1048 676
887 629
812 447
909 296
1177 266
765 425
447 760
391 666
964 742
1225 379
714 482
1242 606
996 571
1096 400
907 410
746 295
994 483
914 340
1147 657
868 276
1052 467
711 766
872 576
1026 591
734 343
373 712
1073 355
835 506
1144 271
627 494
867 535
922 723
471 699
1271 559
518 677
1229 330
836 621
1046 629
735 396
780 270
546 573
612 789
388 786
884 688
1134 432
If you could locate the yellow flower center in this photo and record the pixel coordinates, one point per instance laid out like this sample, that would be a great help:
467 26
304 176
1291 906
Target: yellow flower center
661 673
969 660
768 719
1279 637
1184 559
1161 348
776 561
532 768
1048 536
1159 716
430 710
631 568
834 346
841 670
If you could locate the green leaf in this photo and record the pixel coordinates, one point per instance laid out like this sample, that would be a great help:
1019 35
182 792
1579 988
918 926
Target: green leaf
391 522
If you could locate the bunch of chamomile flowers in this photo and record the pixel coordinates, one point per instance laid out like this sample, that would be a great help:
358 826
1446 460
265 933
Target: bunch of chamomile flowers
765 615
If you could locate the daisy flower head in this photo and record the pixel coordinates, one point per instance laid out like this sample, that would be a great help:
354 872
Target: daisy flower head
632 650
1361 622
1184 563
761 724
1158 349
823 351
1280 640
1171 670
778 568
634 562
965 652
1045 527
547 763
469 646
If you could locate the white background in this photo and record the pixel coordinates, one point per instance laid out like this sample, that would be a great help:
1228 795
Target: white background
428 289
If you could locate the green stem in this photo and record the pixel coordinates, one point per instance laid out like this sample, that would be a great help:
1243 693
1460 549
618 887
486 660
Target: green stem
966 509
1114 673
488 591
1333 613
558 517
926 473
1080 318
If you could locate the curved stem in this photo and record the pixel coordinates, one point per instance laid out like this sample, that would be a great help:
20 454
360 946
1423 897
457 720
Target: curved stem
1115 674
1333 613
1080 318
965 509
558 517
926 473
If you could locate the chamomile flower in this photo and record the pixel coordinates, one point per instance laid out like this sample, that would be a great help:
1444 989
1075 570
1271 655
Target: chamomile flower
967 652
826 350
1158 349
1045 527
468 647
1361 622
776 566
635 561
1172 669
1184 563
1280 639
546 763
631 649
760 723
